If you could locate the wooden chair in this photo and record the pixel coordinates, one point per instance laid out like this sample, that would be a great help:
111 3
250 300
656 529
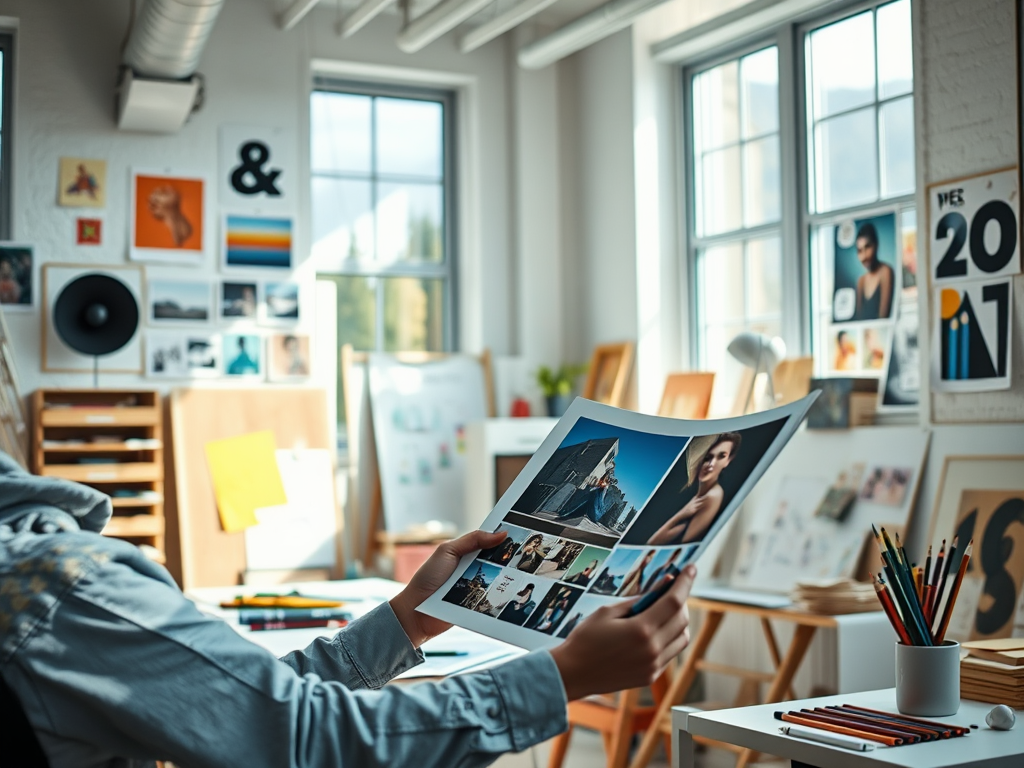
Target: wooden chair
687 395
617 717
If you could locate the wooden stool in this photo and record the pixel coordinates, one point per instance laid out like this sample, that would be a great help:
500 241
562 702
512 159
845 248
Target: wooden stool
617 717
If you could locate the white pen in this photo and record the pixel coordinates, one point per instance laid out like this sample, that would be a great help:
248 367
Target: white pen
824 737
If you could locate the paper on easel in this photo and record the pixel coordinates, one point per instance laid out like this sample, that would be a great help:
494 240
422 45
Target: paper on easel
245 477
301 532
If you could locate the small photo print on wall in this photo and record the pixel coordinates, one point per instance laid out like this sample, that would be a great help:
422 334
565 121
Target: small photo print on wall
865 281
179 301
243 354
288 357
202 355
257 241
165 355
280 303
239 300
82 183
17 277
168 218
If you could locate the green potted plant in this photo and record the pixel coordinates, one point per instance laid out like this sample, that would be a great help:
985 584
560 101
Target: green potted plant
557 385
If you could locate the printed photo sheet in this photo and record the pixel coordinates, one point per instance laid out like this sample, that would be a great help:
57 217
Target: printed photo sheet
611 503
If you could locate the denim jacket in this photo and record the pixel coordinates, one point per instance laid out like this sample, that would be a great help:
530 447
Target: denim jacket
114 666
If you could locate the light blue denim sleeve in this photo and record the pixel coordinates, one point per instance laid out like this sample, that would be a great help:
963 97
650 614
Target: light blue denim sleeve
125 666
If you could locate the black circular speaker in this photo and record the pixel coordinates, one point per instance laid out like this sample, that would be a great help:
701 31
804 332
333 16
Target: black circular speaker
96 314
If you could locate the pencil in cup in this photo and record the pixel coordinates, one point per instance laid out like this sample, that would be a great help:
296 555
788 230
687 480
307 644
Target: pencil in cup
954 590
890 610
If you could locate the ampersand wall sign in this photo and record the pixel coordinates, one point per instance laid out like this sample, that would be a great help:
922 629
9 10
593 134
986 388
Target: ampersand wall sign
257 169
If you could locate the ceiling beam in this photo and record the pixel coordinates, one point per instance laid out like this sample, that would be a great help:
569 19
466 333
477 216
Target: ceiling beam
294 13
443 17
502 23
361 16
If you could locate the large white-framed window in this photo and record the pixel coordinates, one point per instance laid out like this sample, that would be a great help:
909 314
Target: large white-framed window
764 226
383 193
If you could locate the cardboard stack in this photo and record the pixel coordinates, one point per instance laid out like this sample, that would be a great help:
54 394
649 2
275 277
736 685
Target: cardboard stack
993 671
834 596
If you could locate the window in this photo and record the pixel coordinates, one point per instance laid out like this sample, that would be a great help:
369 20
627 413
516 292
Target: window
736 240
759 234
382 213
6 119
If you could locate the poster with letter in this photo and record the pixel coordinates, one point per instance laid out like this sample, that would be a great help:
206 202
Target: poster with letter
611 504
971 337
257 169
865 277
975 229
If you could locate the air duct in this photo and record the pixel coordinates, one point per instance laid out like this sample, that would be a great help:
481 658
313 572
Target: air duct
159 90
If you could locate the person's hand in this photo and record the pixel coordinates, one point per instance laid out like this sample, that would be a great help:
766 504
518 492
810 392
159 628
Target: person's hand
429 578
613 651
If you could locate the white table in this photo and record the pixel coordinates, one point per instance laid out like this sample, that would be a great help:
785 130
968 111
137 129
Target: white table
757 728
360 596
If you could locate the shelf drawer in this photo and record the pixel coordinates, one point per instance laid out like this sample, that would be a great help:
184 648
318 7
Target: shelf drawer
105 473
136 525
100 417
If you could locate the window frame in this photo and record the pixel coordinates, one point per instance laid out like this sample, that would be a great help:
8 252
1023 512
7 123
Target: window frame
796 222
7 47
446 270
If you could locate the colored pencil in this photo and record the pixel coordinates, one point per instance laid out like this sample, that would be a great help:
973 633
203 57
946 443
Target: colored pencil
902 551
937 575
810 722
950 554
890 610
930 732
854 720
929 590
903 591
919 584
928 567
954 590
957 729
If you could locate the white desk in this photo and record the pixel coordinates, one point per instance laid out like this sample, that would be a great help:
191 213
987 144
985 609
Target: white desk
757 728
360 596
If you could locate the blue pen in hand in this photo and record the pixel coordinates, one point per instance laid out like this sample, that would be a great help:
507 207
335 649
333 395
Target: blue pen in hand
651 597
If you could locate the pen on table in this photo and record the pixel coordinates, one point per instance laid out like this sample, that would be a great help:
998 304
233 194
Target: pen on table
824 737
446 653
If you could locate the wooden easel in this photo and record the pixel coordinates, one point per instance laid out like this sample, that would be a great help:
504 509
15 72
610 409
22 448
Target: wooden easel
374 537
780 683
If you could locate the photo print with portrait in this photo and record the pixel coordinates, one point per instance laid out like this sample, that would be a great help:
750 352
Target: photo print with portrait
553 609
512 596
701 486
653 566
242 354
179 301
533 551
168 217
609 579
593 484
239 300
280 303
502 554
876 342
586 566
846 349
585 606
288 356
471 587
865 281
559 558
16 276
887 485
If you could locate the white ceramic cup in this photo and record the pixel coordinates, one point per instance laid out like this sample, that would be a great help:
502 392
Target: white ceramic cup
928 679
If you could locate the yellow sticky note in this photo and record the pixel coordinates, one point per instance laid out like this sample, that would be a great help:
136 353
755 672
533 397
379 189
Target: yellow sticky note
245 478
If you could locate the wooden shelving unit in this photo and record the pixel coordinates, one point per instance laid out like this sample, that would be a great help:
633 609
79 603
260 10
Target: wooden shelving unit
111 440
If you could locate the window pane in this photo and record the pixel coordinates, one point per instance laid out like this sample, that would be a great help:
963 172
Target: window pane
413 319
342 221
846 160
716 106
896 134
718 199
761 181
764 277
357 310
759 82
721 283
340 132
409 225
409 137
895 50
842 65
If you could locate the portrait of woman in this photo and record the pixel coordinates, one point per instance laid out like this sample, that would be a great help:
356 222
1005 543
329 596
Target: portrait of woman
669 568
518 610
846 352
635 579
691 522
531 556
875 287
583 578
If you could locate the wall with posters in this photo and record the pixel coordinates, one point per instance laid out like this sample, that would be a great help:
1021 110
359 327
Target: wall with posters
967 123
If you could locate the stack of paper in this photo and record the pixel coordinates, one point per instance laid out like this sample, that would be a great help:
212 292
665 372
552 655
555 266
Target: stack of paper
834 596
993 671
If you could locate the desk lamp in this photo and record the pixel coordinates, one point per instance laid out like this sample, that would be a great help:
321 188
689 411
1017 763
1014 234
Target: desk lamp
761 353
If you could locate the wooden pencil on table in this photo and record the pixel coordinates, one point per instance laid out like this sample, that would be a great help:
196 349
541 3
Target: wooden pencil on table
947 611
927 732
891 741
855 720
890 610
959 730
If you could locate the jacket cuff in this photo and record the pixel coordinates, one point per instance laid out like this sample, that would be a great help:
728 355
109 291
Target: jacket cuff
378 647
536 708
